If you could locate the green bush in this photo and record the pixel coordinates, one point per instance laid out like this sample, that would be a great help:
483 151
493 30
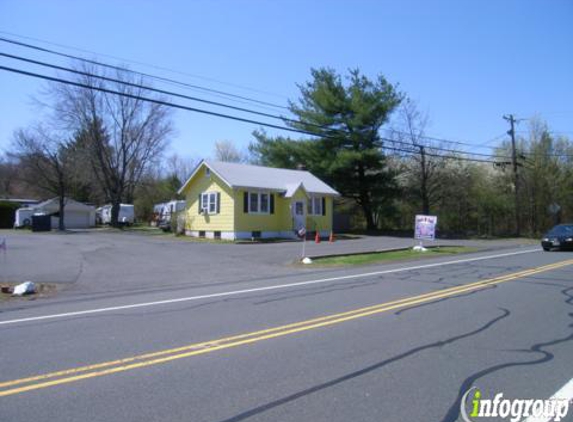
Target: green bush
7 214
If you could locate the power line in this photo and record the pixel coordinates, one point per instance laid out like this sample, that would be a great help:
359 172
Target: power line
147 75
165 92
523 153
211 113
455 151
152 100
450 141
494 139
534 154
194 98
451 157
153 66
555 132
218 93
148 88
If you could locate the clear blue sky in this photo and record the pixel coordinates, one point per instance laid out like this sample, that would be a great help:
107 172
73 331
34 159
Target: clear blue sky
466 62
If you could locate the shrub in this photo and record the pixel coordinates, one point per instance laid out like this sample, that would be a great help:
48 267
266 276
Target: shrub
7 214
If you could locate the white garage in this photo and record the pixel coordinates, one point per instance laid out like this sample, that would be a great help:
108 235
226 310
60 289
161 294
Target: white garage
76 214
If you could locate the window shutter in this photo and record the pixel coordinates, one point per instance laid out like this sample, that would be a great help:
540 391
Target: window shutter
246 202
200 208
272 204
323 205
218 202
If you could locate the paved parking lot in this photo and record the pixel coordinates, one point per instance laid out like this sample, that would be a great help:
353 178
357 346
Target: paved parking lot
107 262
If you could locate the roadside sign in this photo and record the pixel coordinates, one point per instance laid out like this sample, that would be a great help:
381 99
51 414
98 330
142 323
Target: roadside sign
425 227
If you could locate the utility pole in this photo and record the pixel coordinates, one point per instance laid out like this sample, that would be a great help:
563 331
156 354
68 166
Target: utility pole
511 132
424 182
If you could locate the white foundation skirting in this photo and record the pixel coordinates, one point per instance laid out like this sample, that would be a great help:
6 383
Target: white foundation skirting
210 234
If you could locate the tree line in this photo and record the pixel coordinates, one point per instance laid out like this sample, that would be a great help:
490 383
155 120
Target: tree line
362 136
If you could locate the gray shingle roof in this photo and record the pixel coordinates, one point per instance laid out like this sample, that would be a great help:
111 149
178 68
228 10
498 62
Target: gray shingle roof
258 177
70 204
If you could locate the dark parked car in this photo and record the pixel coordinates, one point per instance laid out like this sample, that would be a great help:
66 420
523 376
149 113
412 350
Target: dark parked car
559 237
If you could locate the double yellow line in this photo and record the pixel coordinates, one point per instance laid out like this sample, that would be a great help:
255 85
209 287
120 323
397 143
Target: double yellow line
37 382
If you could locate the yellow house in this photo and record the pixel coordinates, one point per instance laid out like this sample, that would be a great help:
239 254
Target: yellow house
239 201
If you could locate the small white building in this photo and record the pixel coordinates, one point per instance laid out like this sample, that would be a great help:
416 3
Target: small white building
126 214
166 209
23 217
77 215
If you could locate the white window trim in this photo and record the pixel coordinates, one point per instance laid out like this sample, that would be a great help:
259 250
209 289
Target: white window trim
259 194
312 206
205 205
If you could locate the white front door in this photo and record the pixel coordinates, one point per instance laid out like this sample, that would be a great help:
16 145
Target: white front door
299 214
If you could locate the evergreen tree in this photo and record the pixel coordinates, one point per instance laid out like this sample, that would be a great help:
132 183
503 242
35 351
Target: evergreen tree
346 118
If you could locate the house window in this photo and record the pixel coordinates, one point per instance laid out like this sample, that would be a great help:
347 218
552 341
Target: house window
298 208
207 172
253 202
264 202
209 202
259 203
212 203
315 205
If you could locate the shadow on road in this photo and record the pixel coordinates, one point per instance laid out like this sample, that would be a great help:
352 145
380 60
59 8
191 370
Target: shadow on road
454 411
266 407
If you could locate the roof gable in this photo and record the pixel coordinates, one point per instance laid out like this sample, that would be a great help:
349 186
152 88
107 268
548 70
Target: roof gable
69 204
196 170
293 188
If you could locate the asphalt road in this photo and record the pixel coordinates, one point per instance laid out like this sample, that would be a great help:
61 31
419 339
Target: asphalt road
383 343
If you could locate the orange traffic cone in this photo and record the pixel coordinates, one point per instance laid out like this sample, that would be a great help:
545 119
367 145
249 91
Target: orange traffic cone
317 237
331 237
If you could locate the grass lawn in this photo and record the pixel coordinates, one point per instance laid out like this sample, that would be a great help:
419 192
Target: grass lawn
402 255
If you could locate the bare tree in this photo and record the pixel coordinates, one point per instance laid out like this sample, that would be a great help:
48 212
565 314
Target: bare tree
227 151
424 165
8 175
122 133
46 163
180 166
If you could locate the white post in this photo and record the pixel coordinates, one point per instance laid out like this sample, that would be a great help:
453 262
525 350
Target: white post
302 233
4 259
